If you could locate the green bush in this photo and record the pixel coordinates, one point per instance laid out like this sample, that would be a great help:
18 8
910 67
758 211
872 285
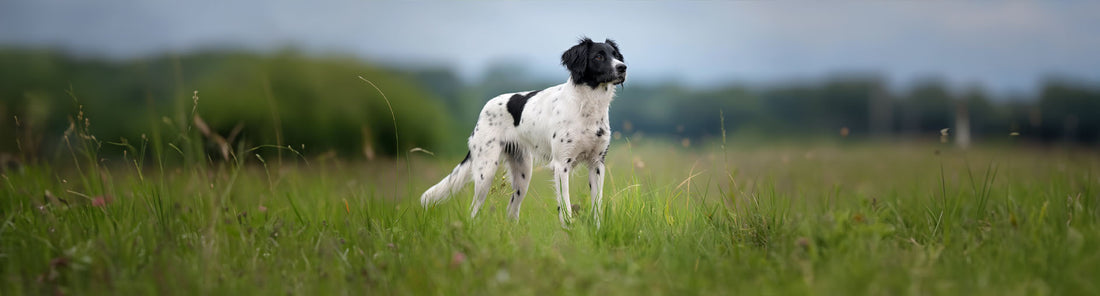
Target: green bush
319 103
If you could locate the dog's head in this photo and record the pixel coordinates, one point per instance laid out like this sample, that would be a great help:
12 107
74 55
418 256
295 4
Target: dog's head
595 63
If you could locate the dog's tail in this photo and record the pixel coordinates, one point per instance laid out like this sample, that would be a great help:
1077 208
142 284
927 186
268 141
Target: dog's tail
451 183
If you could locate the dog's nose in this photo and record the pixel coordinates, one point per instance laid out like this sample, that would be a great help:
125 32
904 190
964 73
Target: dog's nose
621 68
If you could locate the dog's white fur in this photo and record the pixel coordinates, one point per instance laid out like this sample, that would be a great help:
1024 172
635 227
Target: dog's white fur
562 125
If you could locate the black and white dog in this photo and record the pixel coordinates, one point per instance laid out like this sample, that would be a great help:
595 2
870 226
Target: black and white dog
564 125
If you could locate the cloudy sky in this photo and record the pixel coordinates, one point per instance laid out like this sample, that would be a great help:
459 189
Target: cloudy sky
1006 46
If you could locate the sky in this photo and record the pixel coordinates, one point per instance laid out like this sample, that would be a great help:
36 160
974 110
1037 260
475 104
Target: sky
1007 47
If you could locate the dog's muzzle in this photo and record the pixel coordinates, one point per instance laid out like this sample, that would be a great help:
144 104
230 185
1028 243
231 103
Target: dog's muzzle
621 71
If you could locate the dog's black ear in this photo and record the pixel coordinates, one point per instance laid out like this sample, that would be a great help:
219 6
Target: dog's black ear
576 58
618 55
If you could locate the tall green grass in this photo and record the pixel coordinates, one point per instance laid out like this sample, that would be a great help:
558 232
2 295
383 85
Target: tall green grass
717 218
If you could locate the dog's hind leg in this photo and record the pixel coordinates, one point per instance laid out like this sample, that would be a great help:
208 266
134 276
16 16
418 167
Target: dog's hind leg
519 167
484 168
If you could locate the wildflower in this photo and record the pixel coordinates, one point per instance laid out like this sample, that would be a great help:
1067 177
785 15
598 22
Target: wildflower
102 200
457 259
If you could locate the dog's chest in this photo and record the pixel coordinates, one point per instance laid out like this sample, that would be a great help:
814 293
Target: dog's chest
582 135
592 141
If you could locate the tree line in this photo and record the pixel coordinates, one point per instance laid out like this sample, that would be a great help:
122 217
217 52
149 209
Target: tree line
319 105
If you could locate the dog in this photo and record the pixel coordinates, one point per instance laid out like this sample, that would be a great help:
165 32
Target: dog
562 126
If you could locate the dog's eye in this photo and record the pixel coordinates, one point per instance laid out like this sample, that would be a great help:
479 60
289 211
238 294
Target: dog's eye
599 57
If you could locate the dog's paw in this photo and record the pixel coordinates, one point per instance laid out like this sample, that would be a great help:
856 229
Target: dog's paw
564 219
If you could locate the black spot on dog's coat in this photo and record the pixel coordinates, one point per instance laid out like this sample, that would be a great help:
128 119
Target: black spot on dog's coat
515 105
513 150
599 133
467 159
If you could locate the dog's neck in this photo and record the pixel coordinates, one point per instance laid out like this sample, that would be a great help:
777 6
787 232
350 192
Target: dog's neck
591 98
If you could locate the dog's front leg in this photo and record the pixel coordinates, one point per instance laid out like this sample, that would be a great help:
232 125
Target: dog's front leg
561 184
595 184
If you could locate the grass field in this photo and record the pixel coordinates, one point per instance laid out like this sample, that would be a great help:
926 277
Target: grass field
827 218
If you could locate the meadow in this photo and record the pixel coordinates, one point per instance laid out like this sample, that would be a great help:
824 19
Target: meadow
720 217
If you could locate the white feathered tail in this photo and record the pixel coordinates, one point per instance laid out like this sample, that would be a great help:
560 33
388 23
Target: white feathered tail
451 183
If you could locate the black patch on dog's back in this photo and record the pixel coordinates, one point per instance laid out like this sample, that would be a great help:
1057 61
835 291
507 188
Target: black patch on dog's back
516 103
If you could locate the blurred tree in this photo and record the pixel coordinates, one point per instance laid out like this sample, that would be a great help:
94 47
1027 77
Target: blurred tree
287 97
1070 111
927 108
